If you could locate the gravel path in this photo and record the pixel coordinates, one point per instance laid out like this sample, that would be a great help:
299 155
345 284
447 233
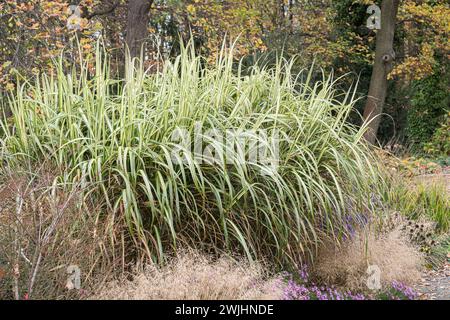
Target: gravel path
435 285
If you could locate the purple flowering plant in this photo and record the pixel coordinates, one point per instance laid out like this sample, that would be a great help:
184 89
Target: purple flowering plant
301 288
398 291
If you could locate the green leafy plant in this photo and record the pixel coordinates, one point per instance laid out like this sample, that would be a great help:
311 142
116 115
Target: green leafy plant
439 145
423 200
115 137
429 102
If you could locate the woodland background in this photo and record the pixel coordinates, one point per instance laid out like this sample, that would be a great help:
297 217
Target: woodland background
331 34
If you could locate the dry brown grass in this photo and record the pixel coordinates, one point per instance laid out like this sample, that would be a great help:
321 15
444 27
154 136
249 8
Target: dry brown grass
43 230
195 276
346 265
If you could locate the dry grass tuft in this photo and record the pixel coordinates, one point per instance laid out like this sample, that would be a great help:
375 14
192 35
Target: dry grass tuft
346 266
192 276
44 229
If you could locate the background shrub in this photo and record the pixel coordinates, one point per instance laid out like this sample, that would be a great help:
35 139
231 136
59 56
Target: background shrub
439 146
428 107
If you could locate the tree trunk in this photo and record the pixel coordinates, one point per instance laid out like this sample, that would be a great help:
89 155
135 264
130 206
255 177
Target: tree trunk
384 59
137 26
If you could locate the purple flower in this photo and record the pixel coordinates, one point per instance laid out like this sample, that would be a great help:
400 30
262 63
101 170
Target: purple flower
303 273
402 290
309 291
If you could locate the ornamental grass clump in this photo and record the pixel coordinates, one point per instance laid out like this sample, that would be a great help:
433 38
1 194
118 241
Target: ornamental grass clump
191 275
120 138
